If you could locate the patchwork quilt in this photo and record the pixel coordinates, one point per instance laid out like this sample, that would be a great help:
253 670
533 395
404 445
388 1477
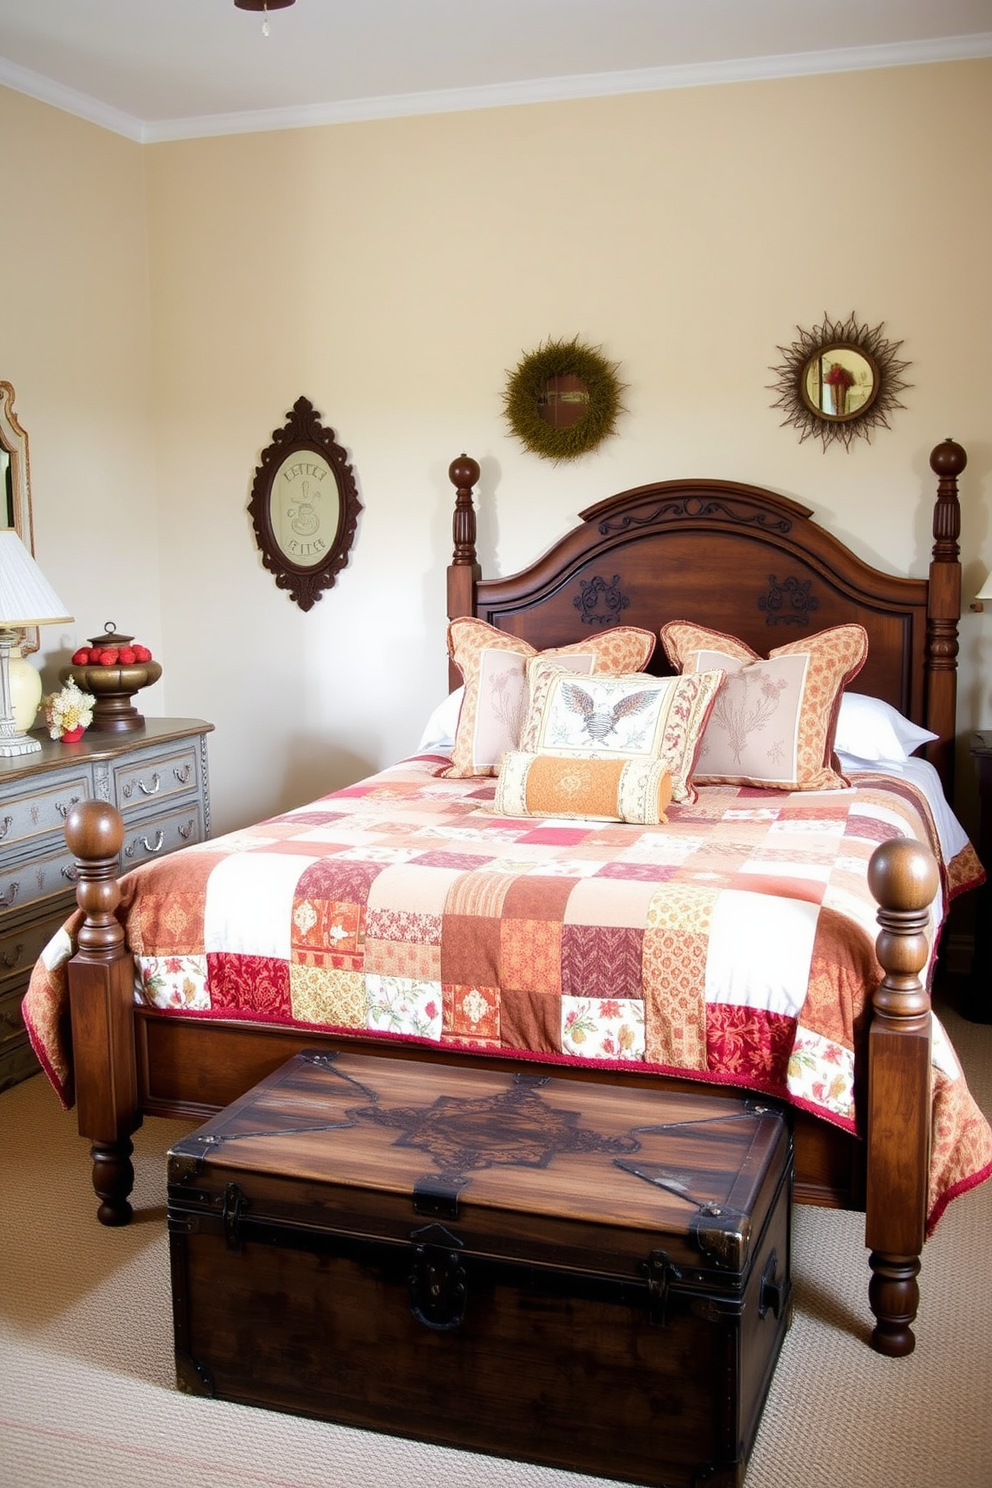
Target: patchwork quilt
735 941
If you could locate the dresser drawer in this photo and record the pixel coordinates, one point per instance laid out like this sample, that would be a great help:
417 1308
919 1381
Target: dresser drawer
157 776
49 870
11 1017
32 808
162 833
17 1060
22 940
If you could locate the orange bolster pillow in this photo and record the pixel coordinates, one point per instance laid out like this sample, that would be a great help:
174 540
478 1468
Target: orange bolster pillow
631 789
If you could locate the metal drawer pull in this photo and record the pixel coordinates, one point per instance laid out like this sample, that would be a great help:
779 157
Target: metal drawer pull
186 832
6 900
71 873
183 775
127 791
5 827
11 961
149 847
63 811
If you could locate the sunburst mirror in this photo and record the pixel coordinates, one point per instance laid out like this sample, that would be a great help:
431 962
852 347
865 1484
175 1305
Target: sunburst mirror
839 381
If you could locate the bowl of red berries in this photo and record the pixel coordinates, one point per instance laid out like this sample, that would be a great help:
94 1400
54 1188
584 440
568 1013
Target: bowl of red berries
113 667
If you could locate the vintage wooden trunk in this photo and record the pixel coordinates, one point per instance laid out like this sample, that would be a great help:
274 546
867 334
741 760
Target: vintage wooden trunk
549 1269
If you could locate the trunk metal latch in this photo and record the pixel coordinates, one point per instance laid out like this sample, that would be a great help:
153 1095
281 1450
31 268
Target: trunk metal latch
235 1205
660 1273
438 1287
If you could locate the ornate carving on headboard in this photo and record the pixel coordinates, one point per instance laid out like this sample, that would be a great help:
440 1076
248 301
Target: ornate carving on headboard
693 507
789 602
596 590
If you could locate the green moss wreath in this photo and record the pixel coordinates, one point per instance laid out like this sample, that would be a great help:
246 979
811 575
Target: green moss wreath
528 386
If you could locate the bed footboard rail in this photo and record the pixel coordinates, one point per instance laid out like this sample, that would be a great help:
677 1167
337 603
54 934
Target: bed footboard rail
903 877
101 992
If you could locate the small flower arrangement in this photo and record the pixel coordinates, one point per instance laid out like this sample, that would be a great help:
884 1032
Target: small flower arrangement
68 712
839 376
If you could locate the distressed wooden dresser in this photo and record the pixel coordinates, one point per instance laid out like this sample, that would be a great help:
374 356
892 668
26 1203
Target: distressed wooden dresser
157 778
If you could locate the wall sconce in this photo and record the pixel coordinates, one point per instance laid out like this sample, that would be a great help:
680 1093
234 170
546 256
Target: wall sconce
984 595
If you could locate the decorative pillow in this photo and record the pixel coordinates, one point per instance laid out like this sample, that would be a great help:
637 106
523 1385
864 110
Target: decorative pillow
773 724
494 664
627 790
630 716
872 729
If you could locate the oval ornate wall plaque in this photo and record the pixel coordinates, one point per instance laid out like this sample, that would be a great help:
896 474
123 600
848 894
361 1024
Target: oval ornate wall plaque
304 506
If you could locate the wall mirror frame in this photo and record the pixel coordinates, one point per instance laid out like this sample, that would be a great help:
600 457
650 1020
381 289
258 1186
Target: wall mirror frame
304 506
839 381
15 486
563 399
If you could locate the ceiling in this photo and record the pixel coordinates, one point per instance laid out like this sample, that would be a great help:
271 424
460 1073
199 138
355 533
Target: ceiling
170 69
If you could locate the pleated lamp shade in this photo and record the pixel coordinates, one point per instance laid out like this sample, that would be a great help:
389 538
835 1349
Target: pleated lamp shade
26 596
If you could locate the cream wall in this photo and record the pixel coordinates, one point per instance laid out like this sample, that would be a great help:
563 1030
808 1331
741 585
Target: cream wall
74 341
393 272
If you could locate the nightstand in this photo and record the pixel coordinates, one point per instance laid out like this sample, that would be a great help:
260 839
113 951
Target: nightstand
156 776
979 1000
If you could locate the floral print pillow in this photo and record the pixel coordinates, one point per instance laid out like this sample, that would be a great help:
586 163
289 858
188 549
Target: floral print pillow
774 721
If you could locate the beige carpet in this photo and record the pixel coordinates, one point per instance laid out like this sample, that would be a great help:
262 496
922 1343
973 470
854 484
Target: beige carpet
87 1396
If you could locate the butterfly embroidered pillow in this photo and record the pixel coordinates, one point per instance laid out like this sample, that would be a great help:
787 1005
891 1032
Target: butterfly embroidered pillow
774 722
493 665
630 716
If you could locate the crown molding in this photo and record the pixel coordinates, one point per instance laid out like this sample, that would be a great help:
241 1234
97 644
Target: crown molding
499 95
35 85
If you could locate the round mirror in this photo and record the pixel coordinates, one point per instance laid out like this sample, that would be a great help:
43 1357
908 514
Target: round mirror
839 382
563 399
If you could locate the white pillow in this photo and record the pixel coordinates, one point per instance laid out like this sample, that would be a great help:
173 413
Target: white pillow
439 731
874 730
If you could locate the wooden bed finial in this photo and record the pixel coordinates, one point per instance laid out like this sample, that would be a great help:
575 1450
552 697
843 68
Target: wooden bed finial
463 474
947 461
94 833
903 877
948 458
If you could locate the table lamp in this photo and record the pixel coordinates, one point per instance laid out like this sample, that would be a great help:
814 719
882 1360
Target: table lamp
984 595
26 598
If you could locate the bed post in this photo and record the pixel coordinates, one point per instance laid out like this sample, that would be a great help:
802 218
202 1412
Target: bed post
101 992
947 461
463 570
903 877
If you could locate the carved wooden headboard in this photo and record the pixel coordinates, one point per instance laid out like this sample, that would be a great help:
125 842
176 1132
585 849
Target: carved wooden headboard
742 560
